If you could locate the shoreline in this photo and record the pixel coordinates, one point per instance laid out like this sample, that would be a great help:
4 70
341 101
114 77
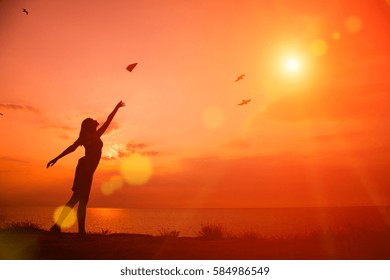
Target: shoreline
189 222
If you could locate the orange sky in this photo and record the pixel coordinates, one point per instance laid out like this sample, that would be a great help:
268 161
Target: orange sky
314 134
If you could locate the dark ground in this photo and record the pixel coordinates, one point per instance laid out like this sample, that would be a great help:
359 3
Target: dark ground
41 245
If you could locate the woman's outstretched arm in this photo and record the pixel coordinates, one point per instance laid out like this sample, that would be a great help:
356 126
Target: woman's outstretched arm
68 150
104 127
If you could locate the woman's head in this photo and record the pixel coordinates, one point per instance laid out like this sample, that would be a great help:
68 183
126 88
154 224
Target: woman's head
88 125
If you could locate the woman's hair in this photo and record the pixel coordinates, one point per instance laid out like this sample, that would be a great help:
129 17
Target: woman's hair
87 126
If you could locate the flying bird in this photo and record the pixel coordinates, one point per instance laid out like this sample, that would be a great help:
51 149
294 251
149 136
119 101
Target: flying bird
244 102
1 114
25 11
240 77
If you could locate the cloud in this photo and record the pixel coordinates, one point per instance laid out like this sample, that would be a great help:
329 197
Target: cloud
150 153
239 144
60 127
353 102
72 131
131 148
113 126
20 108
338 136
12 159
140 148
134 146
285 179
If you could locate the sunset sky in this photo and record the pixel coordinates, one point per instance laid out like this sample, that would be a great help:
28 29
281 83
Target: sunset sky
315 133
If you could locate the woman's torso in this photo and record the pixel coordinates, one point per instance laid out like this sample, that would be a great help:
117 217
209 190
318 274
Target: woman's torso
93 148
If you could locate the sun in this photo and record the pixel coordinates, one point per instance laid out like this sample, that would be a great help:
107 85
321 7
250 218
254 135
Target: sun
292 65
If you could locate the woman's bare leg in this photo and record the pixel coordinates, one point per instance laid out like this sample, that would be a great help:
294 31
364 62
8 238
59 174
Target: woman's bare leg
81 213
56 228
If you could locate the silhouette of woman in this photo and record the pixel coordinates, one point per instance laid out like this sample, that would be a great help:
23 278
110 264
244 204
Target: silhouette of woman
90 138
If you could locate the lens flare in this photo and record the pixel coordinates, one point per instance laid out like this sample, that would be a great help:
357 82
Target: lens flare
318 47
353 24
70 216
15 247
336 35
115 183
136 169
213 117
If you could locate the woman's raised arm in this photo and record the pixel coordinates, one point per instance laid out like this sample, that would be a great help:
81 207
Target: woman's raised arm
110 117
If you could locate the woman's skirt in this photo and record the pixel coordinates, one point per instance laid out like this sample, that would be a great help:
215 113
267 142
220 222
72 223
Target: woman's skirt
83 178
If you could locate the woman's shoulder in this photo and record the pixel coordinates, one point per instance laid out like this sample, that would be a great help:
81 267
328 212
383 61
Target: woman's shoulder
83 139
87 138
79 141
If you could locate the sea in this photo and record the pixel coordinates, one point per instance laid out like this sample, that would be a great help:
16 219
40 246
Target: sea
189 222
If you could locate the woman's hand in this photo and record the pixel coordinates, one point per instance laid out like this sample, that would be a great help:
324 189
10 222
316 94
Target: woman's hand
120 104
51 163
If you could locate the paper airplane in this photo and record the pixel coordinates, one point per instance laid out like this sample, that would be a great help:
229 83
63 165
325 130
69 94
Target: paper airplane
244 102
131 67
